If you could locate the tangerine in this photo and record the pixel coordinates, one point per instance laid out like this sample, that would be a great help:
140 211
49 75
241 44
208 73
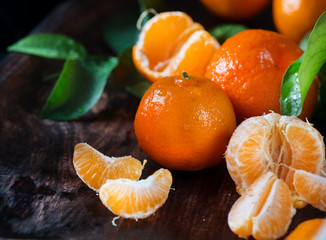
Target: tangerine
184 124
295 18
236 10
275 143
170 43
250 66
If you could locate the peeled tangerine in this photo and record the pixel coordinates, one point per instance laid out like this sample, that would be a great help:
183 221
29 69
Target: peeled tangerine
275 143
277 163
170 43
264 211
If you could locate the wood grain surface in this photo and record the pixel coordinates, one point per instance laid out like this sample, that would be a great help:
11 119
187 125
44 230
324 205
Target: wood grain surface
40 193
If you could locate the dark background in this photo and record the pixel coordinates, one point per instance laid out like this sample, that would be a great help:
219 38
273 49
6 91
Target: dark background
19 17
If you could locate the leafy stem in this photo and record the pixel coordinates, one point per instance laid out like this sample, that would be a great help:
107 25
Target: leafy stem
300 74
82 80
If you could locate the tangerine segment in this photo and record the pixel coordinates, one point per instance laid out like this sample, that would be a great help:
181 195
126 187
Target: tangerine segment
264 211
182 45
136 199
311 188
306 146
94 168
246 159
274 143
308 230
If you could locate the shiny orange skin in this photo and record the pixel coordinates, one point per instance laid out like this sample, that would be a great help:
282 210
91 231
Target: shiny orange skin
184 124
237 10
307 230
295 18
250 66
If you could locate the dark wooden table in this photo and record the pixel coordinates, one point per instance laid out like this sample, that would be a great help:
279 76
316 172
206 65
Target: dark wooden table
40 193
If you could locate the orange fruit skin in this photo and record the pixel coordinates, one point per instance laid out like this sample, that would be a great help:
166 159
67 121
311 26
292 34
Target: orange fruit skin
250 66
307 230
170 43
294 18
184 124
237 10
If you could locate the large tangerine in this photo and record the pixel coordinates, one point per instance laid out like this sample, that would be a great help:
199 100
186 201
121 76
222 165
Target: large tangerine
250 66
184 124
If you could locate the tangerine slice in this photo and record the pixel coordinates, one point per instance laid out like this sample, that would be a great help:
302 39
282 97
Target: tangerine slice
170 43
312 188
309 230
274 143
136 199
94 168
264 211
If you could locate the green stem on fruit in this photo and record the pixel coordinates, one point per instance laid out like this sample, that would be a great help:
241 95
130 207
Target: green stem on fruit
185 75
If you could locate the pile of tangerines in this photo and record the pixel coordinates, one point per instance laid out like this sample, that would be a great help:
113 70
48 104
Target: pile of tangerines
187 120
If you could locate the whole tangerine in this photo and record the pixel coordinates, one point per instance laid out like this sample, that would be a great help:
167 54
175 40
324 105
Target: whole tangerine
250 66
295 18
184 123
236 10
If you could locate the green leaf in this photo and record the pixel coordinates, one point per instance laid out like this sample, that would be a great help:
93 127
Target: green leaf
49 46
120 31
314 58
224 31
125 76
51 76
138 88
290 94
78 88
